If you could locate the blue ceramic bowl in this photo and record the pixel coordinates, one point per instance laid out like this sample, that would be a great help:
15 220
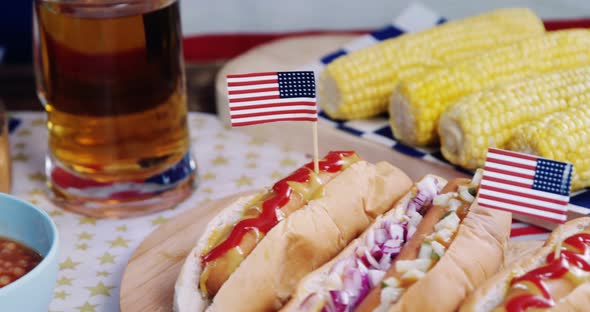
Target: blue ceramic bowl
32 226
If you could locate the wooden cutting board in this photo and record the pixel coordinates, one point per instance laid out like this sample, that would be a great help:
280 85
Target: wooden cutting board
148 281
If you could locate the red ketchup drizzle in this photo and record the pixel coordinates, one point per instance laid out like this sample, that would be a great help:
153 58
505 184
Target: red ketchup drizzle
555 268
281 194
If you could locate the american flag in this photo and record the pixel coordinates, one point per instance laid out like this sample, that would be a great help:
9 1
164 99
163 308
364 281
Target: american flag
272 96
526 184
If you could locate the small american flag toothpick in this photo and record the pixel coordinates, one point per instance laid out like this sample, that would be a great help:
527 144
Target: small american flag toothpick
526 184
257 98
271 96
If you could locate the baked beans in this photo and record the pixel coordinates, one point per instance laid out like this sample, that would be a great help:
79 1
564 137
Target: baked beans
16 260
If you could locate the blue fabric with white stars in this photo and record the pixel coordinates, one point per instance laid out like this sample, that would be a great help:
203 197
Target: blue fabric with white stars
553 177
296 84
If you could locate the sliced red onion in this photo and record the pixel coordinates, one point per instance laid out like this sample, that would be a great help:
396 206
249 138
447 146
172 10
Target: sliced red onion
385 262
396 231
340 299
363 290
361 266
372 262
352 279
359 251
370 240
380 236
377 253
392 246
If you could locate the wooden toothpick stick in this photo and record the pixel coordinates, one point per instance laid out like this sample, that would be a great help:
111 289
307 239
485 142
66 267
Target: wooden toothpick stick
316 166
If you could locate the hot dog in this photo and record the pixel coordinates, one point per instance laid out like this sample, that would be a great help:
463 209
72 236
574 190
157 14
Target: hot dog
342 283
463 248
269 241
543 281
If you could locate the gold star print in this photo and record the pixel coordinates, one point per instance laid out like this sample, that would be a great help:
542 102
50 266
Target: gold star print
220 135
87 307
122 228
208 176
252 165
24 133
276 175
288 162
106 258
243 181
219 161
36 191
33 201
119 242
252 155
83 246
199 123
204 201
207 190
68 264
100 289
87 220
103 273
64 281
159 220
256 141
60 295
20 145
287 149
219 147
56 213
37 176
20 157
38 122
85 235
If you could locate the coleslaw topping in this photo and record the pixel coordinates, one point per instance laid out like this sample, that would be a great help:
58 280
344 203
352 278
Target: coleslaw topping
351 278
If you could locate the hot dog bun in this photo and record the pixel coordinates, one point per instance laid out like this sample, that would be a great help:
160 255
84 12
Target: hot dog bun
298 244
492 293
470 243
313 291
412 247
475 255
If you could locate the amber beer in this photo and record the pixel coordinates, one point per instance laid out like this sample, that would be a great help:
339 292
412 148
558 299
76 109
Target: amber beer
110 75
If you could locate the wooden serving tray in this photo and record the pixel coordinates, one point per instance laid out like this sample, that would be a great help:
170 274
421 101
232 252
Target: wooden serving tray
148 281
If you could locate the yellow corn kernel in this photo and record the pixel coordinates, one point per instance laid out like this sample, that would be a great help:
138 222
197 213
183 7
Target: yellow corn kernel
489 118
419 101
562 136
358 85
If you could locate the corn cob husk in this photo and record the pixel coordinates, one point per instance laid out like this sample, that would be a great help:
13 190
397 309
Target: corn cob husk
358 85
419 101
562 136
489 118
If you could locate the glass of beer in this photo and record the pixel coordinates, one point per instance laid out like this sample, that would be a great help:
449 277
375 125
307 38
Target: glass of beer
110 75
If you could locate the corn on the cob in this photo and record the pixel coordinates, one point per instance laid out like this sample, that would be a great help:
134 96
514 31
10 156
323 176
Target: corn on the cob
418 102
358 85
563 136
488 118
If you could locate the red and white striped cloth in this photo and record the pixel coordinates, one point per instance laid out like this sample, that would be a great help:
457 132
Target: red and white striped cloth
520 231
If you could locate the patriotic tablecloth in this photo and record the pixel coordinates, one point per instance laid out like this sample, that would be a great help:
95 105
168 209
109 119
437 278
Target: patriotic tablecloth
94 252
